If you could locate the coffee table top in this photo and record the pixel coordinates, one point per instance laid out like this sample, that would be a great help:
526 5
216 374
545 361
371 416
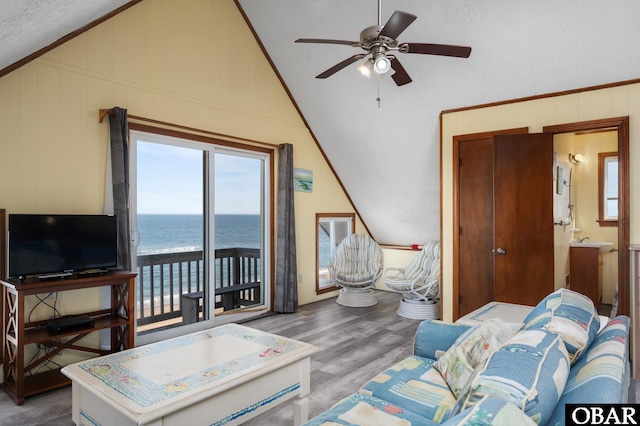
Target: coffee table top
194 366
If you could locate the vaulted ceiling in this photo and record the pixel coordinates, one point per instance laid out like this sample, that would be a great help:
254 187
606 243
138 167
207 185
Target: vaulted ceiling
386 152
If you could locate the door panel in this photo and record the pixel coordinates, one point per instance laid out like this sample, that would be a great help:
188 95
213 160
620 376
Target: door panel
475 174
523 217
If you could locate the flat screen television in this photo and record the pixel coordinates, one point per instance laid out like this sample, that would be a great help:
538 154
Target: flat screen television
55 244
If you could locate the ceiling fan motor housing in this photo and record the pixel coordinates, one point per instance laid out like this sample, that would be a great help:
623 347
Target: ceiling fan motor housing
370 37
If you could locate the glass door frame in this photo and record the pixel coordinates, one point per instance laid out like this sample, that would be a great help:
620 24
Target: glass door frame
210 147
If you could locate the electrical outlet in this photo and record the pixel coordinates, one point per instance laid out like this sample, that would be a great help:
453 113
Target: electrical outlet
51 295
300 278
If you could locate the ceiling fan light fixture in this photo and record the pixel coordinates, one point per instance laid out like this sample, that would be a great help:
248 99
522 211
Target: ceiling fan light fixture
381 64
366 67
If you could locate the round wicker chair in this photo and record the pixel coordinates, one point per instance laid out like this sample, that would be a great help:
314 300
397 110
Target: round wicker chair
356 266
419 283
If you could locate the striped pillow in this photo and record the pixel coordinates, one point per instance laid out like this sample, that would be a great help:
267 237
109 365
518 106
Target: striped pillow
530 372
471 349
570 315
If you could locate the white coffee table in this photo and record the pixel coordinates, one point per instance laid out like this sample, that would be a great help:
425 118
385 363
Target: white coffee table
221 376
508 312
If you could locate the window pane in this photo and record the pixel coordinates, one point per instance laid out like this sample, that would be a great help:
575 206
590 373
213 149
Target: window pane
170 217
331 231
611 173
611 187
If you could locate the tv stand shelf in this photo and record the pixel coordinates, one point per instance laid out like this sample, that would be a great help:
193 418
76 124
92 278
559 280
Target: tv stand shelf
119 318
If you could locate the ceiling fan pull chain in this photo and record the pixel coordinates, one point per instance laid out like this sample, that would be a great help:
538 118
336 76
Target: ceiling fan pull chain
378 98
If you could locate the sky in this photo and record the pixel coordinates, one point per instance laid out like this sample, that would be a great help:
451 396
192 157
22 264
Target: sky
169 181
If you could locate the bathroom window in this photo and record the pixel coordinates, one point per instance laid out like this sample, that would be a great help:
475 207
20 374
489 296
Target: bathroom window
608 188
331 229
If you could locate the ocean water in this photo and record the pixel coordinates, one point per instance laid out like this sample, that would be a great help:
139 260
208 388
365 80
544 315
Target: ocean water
162 233
167 233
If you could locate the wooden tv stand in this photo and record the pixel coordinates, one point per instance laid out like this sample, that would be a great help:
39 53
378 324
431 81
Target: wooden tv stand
17 334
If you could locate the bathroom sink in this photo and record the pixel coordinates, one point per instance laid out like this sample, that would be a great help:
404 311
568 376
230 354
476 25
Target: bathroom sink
604 246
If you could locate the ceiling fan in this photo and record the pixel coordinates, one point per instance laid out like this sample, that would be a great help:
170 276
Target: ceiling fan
378 41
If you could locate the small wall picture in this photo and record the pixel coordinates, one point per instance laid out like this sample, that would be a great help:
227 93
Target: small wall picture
302 180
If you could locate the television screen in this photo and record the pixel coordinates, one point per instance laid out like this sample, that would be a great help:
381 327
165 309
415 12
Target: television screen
51 244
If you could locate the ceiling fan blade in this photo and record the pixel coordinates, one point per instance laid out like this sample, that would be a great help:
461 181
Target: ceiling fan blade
398 22
437 49
326 41
334 69
400 76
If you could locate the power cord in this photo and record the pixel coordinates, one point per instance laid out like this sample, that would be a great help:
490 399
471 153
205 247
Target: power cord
44 349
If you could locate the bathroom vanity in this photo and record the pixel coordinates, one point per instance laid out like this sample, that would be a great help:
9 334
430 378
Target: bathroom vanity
585 269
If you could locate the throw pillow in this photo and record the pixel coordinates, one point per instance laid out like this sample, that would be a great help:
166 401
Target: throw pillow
570 315
530 372
601 375
471 349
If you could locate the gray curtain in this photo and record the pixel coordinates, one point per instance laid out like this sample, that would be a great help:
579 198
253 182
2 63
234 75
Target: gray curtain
286 286
119 133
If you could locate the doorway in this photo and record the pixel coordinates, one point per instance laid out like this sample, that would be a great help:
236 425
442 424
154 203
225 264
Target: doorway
620 125
460 279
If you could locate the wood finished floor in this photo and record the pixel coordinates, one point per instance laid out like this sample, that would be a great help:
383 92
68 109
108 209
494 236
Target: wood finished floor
354 344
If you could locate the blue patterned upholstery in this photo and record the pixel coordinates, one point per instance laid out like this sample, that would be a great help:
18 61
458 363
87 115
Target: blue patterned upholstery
365 410
414 384
569 314
491 412
471 349
528 380
530 371
605 367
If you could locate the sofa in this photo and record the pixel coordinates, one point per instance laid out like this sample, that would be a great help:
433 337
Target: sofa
498 373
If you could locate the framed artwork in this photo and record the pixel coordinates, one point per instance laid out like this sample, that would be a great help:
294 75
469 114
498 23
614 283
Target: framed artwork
302 180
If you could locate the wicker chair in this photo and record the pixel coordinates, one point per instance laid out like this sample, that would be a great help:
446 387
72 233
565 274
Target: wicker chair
356 266
419 283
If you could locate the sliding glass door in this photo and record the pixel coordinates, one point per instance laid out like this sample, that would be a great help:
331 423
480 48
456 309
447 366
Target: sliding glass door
198 233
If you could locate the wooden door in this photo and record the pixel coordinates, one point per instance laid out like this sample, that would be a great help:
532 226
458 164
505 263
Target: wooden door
523 218
475 218
505 200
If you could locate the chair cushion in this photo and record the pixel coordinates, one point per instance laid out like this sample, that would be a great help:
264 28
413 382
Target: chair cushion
357 261
471 349
426 263
530 371
569 314
366 410
491 411
414 384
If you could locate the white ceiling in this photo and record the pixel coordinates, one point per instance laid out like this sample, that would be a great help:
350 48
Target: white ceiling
28 26
387 155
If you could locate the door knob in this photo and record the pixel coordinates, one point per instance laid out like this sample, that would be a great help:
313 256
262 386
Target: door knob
501 251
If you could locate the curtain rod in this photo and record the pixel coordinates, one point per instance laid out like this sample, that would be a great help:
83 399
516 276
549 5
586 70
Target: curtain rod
104 112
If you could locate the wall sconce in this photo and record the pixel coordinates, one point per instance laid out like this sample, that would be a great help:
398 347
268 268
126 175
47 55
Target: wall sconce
576 158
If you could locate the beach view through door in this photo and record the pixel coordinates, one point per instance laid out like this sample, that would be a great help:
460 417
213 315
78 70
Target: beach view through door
198 228
239 235
172 238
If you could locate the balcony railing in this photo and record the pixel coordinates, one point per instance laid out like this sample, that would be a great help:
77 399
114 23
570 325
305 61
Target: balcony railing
164 277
